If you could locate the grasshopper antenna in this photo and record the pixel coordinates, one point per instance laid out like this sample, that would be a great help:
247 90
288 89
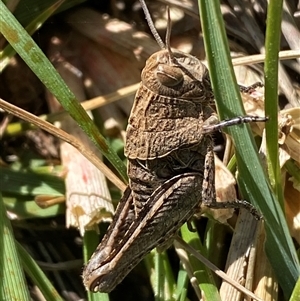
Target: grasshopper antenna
151 25
168 36
155 33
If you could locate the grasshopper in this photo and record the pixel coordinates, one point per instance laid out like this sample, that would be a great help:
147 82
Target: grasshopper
169 147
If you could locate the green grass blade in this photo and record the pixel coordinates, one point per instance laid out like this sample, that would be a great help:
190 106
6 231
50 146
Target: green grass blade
169 281
24 207
30 183
296 293
273 36
164 280
28 50
38 276
203 275
159 278
182 285
28 10
252 181
13 285
34 25
90 241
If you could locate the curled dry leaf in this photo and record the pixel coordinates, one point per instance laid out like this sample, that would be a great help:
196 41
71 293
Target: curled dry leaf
288 123
288 136
225 191
289 140
292 208
289 133
88 198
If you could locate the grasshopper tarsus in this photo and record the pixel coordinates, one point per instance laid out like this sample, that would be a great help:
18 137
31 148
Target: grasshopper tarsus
234 121
236 204
251 88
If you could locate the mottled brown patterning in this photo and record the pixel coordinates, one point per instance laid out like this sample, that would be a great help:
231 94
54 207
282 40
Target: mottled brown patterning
165 167
164 134
170 165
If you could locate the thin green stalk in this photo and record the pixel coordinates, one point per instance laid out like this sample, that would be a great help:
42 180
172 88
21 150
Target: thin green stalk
159 277
89 245
273 36
170 284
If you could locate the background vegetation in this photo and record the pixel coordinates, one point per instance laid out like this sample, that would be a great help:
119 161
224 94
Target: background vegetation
81 50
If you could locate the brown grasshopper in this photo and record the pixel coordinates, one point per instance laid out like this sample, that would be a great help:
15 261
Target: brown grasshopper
170 163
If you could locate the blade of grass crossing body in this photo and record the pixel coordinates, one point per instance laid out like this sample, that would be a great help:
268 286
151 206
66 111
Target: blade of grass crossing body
24 45
252 180
90 241
273 35
11 272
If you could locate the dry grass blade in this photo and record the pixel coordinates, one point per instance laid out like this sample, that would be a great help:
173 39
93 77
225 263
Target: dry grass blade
100 101
259 58
179 243
65 137
238 263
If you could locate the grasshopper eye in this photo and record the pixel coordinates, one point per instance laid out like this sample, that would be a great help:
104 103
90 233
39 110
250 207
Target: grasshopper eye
169 76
